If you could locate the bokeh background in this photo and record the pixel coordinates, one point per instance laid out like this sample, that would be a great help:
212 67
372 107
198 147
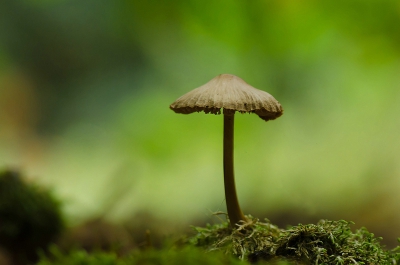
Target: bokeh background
85 89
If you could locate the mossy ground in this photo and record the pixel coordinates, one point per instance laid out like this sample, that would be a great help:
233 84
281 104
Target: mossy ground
168 255
30 219
243 240
327 242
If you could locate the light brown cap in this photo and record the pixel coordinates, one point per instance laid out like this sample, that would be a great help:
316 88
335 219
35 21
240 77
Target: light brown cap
230 93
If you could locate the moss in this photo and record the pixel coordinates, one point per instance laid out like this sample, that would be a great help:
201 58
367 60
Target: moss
333 242
248 237
30 217
328 242
166 256
79 257
187 255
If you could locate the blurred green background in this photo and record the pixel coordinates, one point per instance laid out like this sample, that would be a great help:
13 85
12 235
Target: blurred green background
85 89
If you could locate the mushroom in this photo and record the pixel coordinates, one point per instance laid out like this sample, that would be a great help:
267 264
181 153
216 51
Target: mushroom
230 93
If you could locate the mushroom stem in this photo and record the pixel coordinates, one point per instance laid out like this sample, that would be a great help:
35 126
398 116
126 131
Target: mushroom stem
234 212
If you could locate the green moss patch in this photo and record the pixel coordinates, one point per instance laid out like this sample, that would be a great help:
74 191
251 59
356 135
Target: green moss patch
328 242
245 239
167 255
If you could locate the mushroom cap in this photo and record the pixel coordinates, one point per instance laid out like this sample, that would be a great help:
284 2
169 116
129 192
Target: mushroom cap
230 93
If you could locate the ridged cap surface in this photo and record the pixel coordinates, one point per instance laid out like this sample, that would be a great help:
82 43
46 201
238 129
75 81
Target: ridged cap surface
230 93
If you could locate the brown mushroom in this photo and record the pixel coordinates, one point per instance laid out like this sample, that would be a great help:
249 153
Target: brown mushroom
230 93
